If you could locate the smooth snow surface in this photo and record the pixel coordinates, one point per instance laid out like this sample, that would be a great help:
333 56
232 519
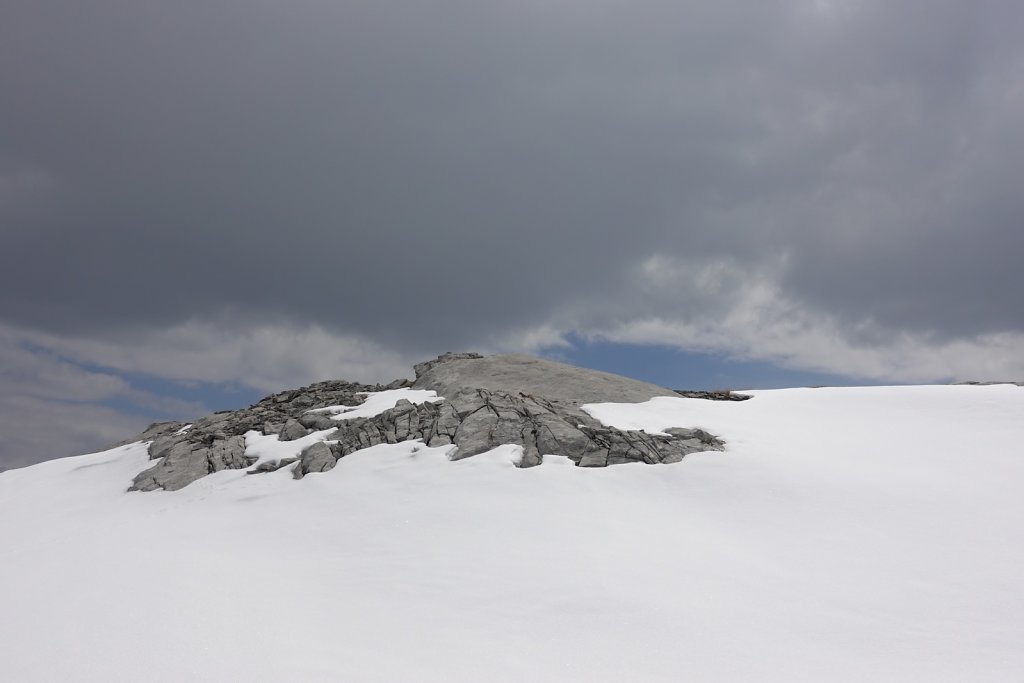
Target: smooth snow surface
868 534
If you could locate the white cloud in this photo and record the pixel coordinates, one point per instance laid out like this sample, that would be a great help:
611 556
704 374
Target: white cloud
36 429
262 356
530 340
722 307
51 407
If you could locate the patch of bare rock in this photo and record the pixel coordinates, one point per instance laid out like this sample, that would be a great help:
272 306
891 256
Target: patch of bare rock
488 401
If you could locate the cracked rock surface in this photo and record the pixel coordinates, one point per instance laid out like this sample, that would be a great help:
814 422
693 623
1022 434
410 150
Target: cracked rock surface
488 402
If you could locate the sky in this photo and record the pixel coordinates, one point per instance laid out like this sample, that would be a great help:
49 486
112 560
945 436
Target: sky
201 203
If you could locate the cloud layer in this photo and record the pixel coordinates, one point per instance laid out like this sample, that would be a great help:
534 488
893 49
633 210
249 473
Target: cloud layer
270 193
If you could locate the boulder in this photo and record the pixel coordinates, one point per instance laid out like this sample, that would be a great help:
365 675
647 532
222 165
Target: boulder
316 458
292 430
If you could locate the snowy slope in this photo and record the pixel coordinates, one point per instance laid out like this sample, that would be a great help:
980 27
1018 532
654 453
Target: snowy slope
845 535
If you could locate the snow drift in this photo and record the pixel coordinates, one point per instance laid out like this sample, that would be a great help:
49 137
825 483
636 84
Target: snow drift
843 535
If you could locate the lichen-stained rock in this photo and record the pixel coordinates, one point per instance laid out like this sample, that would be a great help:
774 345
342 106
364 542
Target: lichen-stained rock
488 402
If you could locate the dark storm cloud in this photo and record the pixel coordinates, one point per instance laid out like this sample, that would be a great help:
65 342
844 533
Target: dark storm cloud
468 168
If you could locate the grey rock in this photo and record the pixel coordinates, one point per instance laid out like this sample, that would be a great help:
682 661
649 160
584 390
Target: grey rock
211 420
183 462
594 457
228 454
723 395
398 384
208 444
426 366
443 426
153 431
292 430
317 421
162 445
532 376
272 428
489 401
272 465
316 458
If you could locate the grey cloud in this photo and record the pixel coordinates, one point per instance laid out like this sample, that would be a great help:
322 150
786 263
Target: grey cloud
35 430
253 354
42 374
470 170
50 407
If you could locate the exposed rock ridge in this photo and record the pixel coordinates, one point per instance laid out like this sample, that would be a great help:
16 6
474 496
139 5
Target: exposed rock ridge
724 395
535 376
471 419
423 368
216 442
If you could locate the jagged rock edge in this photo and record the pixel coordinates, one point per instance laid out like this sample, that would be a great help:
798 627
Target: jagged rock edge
473 420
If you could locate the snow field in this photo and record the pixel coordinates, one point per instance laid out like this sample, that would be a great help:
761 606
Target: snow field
845 535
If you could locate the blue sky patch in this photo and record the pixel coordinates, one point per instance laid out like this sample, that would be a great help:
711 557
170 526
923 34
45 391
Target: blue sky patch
678 369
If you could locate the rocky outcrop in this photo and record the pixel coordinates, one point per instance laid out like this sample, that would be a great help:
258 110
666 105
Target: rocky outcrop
183 461
426 366
187 452
531 376
724 395
488 402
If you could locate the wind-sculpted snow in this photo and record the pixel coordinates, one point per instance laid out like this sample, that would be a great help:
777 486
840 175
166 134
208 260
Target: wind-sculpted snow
487 402
846 535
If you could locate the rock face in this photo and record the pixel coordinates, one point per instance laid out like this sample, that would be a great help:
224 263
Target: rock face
488 401
724 395
976 383
188 452
533 377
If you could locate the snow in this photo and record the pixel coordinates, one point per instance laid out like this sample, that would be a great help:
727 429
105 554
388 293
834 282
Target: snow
378 401
268 448
844 535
